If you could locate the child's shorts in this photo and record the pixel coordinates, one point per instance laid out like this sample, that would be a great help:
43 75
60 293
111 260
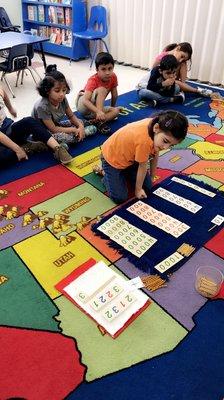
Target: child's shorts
84 110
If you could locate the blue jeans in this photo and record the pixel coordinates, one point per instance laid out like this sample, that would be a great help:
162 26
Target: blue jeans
115 181
149 95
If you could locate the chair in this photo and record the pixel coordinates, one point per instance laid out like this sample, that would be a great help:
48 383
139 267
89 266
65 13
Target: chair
18 60
5 23
96 30
31 54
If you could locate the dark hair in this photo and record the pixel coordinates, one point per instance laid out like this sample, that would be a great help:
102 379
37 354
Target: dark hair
170 121
49 81
50 68
184 46
103 59
168 62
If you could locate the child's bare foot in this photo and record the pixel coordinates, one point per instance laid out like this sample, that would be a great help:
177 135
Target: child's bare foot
98 170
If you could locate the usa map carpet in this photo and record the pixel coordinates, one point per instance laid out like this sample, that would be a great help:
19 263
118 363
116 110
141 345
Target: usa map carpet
50 349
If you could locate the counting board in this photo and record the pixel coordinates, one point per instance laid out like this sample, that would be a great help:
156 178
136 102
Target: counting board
104 295
178 217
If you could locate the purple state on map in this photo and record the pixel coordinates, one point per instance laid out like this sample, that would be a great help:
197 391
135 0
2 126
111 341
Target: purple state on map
15 230
177 160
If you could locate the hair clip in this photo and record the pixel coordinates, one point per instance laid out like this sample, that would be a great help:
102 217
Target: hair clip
168 123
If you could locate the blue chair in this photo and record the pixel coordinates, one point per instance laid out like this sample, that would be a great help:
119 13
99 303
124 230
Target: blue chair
96 30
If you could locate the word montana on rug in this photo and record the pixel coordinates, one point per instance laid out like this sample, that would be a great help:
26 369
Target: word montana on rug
160 233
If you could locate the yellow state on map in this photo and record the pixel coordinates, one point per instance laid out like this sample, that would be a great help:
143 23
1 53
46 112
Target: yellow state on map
51 260
208 150
83 164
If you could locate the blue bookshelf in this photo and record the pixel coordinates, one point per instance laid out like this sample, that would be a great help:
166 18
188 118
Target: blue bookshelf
58 21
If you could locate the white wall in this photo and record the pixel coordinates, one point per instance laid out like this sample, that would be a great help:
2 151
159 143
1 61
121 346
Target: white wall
14 10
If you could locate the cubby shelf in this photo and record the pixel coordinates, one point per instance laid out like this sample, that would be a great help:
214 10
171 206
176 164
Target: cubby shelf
58 21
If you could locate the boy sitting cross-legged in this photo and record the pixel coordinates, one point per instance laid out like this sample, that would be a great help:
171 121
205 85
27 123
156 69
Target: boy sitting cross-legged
90 101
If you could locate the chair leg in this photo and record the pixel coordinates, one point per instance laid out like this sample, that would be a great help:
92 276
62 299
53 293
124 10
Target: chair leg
105 45
17 77
34 70
31 73
94 53
9 87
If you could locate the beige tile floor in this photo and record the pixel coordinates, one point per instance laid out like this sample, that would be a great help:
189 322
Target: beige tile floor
77 74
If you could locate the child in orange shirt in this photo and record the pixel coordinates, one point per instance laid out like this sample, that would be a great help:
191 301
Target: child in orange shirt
126 153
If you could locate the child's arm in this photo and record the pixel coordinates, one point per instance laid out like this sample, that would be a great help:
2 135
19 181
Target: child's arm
76 122
182 75
7 142
141 173
114 96
8 103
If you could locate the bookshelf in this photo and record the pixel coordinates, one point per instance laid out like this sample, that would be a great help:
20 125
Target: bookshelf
57 20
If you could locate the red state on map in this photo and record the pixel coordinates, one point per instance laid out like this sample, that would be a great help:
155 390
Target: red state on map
27 192
38 365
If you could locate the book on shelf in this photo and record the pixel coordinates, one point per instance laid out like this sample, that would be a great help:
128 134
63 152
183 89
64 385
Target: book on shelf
69 2
68 16
104 295
32 13
60 15
34 31
41 17
66 37
52 15
44 31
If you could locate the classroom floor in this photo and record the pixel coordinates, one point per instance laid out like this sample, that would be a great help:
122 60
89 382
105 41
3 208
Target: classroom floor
77 74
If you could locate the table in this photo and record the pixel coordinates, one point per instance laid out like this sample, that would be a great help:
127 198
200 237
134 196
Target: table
10 39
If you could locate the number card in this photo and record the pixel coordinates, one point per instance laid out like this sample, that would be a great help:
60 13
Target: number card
157 218
169 262
127 235
193 186
114 311
178 200
105 296
218 220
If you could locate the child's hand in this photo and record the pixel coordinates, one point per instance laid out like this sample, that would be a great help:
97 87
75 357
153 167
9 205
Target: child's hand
101 116
80 133
21 154
168 82
13 112
140 194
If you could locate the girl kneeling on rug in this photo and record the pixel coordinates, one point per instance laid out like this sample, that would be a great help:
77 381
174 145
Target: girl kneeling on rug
126 153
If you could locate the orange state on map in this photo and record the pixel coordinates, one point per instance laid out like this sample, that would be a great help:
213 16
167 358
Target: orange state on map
212 169
219 107
38 365
202 130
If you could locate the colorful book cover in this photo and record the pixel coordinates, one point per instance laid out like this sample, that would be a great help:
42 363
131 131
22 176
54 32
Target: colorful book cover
41 16
60 15
52 14
68 16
